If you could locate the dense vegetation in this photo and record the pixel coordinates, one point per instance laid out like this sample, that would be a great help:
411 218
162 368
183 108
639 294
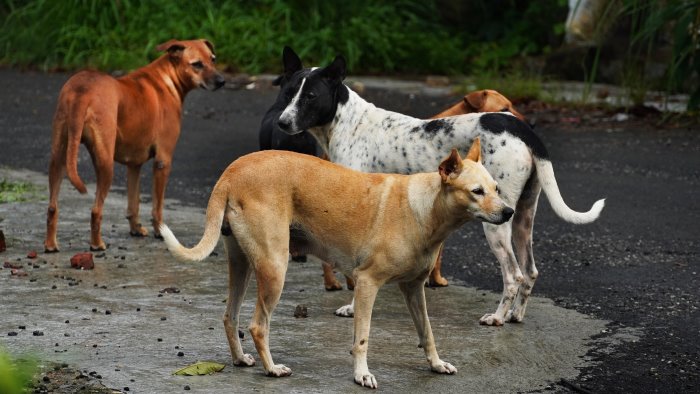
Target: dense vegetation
486 38
404 36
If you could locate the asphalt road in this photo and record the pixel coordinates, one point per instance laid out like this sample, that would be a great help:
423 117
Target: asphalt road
637 266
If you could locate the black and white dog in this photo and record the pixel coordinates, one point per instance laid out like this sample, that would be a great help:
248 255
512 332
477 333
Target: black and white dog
355 133
270 135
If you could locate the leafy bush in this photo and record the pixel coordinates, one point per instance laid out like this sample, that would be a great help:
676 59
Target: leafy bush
404 36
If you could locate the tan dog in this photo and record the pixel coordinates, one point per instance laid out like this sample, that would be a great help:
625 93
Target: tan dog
379 228
129 120
478 101
481 101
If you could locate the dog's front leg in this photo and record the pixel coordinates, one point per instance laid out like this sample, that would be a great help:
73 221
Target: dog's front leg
365 294
414 294
161 172
133 189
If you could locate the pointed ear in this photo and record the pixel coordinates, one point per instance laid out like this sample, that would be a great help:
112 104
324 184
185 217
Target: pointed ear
475 151
174 47
290 61
476 100
451 165
209 45
335 72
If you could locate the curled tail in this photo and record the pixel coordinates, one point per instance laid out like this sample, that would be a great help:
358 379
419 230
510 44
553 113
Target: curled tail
75 123
212 230
545 173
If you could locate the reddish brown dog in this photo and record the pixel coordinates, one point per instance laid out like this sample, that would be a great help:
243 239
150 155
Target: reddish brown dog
129 120
478 101
481 101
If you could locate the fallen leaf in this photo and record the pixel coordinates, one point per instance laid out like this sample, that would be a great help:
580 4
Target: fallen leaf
200 368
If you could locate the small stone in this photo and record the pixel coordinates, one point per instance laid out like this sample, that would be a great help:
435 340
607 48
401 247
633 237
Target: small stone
108 312
3 246
31 254
163 318
46 379
22 327
301 311
180 354
160 339
12 334
82 261
38 333
187 388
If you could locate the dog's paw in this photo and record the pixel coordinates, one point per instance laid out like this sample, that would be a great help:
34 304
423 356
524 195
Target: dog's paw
366 380
139 232
443 367
279 370
98 248
51 249
514 316
345 311
333 286
491 319
246 361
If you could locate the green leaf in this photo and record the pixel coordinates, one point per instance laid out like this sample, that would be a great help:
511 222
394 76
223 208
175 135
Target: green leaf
200 368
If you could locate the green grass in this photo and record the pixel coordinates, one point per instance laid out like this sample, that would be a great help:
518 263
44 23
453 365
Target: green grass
403 36
17 191
15 374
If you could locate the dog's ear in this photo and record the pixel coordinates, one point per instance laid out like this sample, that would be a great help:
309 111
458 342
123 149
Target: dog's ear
451 165
477 99
174 47
209 45
290 61
335 72
475 151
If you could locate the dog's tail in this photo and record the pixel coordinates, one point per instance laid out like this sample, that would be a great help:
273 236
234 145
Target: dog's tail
545 173
75 123
212 230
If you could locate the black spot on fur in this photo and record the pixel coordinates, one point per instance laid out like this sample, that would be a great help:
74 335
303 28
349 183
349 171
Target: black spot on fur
436 125
415 129
498 123
503 143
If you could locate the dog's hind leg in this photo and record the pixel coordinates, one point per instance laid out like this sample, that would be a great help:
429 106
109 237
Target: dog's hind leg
523 222
270 270
239 272
56 171
499 238
133 182
330 282
102 153
414 295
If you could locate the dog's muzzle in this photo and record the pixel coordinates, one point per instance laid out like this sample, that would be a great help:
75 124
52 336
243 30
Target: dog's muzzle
506 214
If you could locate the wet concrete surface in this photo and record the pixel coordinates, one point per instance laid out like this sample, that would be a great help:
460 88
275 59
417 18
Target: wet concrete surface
636 268
140 315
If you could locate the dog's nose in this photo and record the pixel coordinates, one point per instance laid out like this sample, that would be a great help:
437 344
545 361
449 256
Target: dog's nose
507 213
284 124
219 81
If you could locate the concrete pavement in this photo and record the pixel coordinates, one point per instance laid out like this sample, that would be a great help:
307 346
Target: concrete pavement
116 321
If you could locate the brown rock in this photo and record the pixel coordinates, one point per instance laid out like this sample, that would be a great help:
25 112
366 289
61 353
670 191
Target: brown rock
3 247
31 254
82 261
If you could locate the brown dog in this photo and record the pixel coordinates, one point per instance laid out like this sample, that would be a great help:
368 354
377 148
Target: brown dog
129 120
379 228
478 101
481 101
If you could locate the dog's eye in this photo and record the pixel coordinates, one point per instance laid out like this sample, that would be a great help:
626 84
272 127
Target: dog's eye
310 95
213 59
478 191
498 190
198 65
